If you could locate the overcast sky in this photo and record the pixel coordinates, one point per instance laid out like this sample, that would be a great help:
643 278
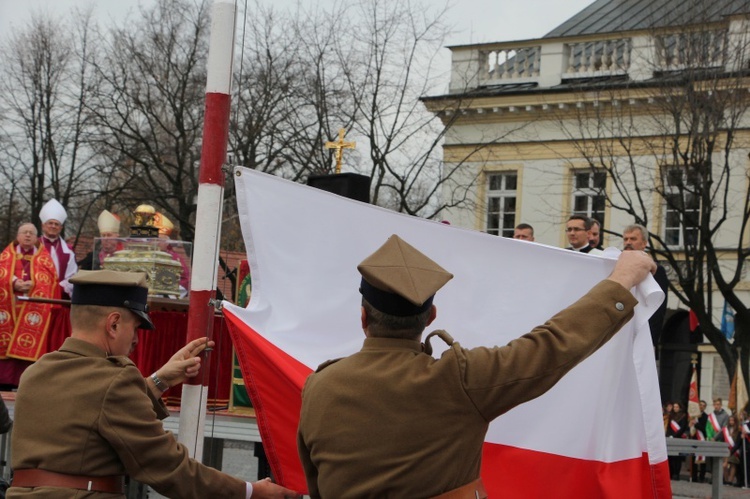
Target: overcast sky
475 21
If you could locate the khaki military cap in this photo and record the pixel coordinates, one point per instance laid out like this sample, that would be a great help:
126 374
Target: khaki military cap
108 288
400 280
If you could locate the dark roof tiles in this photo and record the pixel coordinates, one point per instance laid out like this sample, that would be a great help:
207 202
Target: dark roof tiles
609 16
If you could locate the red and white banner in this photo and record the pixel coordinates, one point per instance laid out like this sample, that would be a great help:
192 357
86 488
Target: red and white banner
699 436
676 427
727 437
597 433
694 409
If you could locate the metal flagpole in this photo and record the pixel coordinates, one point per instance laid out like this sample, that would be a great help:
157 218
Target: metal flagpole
209 212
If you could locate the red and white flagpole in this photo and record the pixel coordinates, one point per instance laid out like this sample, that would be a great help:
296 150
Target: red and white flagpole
208 216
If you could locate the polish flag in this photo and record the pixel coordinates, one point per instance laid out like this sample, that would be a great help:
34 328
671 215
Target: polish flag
597 433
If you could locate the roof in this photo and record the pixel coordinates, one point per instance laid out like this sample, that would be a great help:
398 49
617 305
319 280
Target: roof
608 16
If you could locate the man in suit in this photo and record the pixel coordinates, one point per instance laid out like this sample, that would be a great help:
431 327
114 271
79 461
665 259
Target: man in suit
635 238
85 417
595 234
578 230
392 421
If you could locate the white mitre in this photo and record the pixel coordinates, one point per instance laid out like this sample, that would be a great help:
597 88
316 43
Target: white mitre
53 210
107 222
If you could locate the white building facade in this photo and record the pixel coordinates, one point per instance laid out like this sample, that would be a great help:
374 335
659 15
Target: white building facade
586 120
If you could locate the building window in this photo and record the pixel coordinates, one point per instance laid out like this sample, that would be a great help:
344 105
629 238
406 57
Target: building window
588 194
681 210
501 203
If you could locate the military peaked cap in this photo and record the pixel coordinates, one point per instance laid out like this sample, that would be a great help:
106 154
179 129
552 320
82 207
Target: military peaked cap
108 288
400 280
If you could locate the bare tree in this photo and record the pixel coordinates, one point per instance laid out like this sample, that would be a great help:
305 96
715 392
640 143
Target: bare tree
362 67
302 76
388 61
43 93
680 142
148 111
287 97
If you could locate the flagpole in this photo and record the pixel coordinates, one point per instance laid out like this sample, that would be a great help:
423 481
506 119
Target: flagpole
208 217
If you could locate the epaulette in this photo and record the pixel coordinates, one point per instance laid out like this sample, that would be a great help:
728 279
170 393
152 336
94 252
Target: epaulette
327 363
120 360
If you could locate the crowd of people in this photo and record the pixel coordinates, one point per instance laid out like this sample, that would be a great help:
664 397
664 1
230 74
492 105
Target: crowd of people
717 425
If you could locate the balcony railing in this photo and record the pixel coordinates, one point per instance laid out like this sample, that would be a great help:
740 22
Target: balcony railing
515 64
640 56
597 58
707 49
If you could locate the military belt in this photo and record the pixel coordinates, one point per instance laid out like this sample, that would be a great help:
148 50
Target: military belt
113 484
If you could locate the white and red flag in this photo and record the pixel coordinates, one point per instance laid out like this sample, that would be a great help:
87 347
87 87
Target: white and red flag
597 433
714 423
694 409
727 437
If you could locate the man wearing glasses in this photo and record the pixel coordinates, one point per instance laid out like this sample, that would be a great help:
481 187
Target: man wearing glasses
578 228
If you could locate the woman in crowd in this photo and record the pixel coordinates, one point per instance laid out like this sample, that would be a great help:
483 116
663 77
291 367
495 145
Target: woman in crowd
731 435
666 411
741 449
677 427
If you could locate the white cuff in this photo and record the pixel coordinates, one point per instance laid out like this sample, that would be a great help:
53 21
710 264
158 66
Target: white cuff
248 490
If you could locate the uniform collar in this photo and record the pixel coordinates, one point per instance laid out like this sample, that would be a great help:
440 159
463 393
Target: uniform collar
82 347
391 344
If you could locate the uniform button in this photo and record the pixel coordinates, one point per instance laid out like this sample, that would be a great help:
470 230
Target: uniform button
619 306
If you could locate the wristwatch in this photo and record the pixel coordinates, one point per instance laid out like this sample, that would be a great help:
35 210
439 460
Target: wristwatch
162 386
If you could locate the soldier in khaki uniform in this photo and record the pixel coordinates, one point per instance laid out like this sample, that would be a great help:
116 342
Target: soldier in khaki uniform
85 416
392 421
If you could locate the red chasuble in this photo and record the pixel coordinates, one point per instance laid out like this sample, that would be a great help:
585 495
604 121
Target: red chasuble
24 325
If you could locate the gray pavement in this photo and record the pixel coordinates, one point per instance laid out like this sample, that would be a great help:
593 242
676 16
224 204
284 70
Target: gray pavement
684 489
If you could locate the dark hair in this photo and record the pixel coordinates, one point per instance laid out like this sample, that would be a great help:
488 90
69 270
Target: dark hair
382 325
586 220
525 226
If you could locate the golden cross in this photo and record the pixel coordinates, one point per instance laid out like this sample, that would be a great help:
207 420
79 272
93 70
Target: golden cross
340 145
